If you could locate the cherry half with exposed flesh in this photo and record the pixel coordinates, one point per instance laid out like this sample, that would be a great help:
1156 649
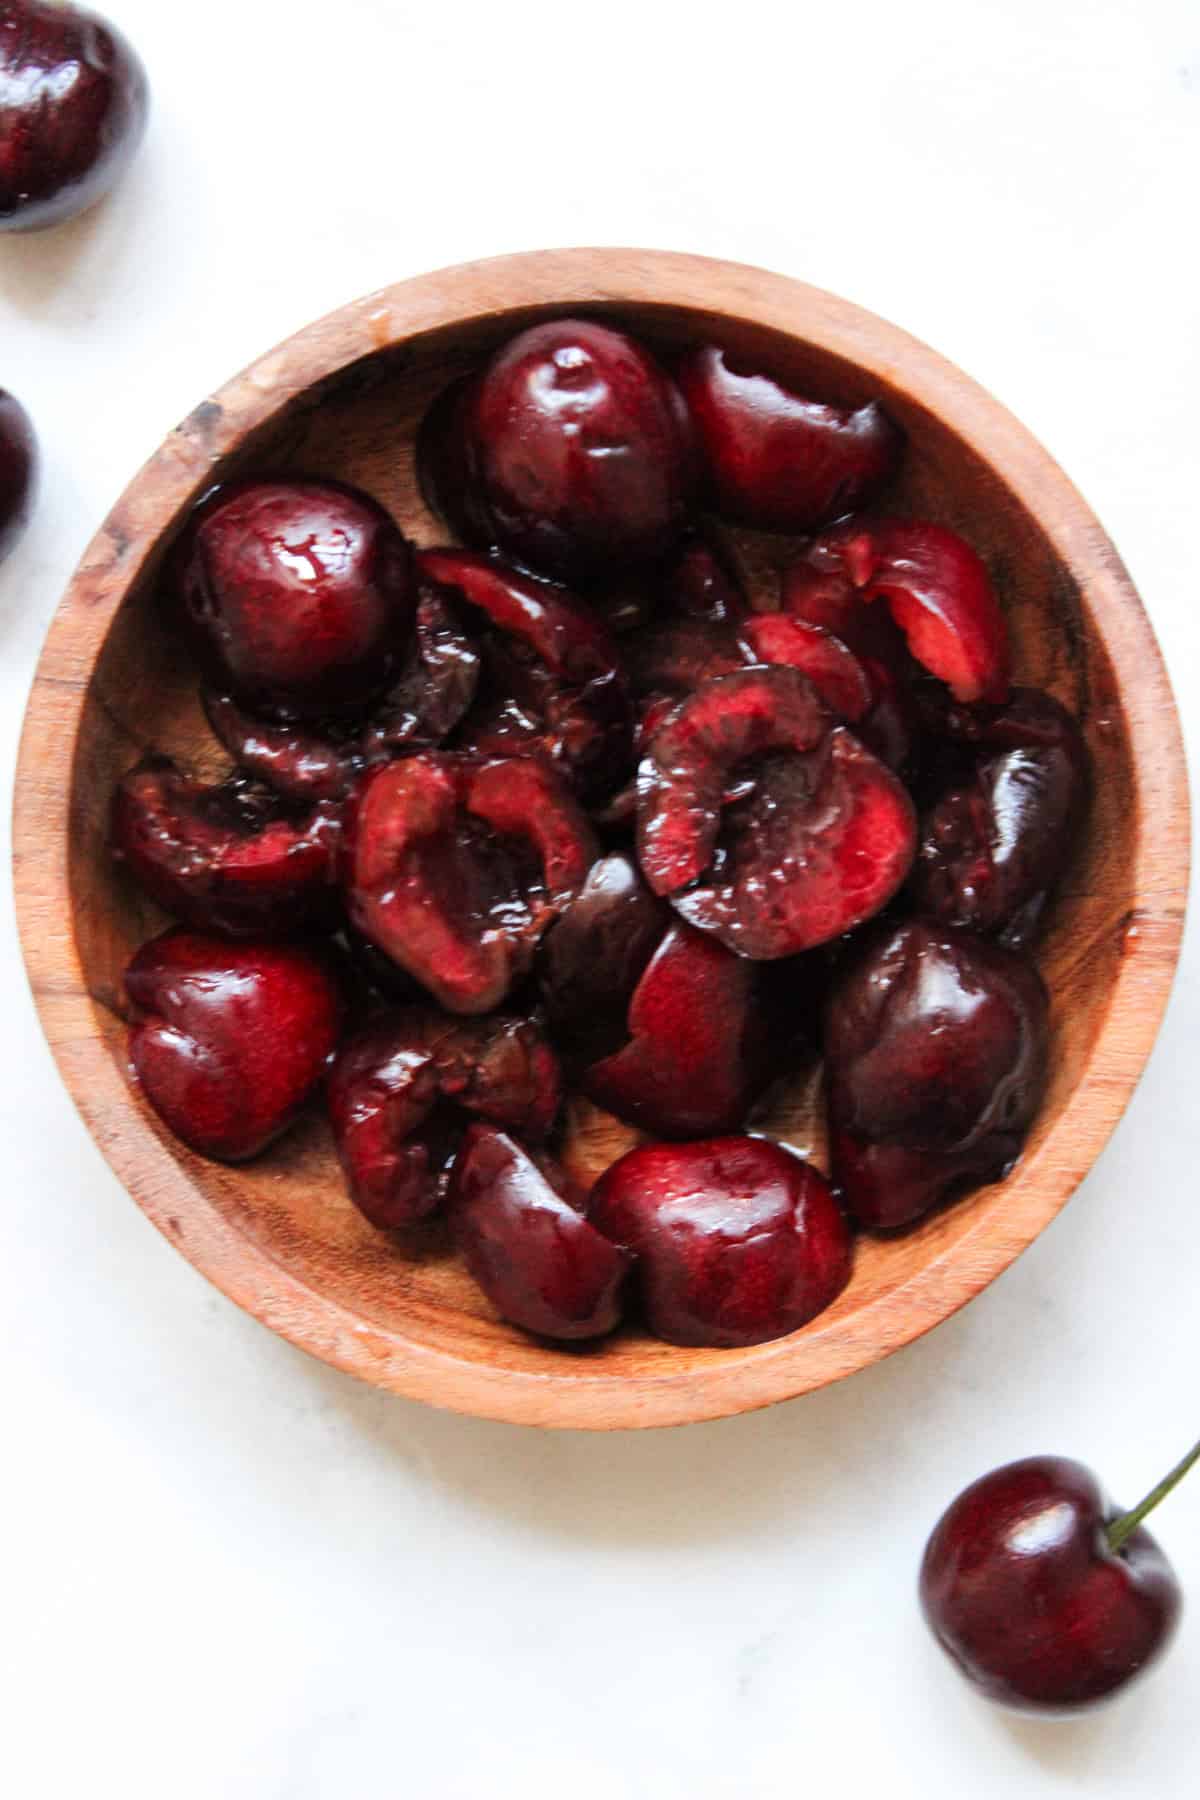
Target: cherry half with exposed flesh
402 1088
522 1226
18 470
936 1061
820 843
230 1041
300 762
298 595
577 451
778 461
73 106
225 857
1045 1597
455 865
736 1240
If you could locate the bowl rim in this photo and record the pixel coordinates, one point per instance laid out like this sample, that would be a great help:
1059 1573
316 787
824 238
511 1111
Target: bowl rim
159 1180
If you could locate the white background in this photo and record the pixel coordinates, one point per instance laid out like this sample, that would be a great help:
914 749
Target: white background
230 1574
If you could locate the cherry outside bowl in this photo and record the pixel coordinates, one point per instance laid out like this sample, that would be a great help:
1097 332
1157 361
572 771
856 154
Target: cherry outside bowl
343 399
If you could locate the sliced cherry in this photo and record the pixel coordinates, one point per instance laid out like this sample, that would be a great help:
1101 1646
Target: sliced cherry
578 451
435 688
818 591
295 760
593 957
400 1091
834 670
736 1240
455 866
821 842
227 857
936 1053
233 1039
522 1228
776 460
675 656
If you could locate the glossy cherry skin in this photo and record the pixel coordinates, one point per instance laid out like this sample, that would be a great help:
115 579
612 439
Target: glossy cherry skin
819 842
301 763
230 1041
18 470
455 865
1022 1591
402 1088
776 460
936 1059
522 1229
298 595
578 451
834 670
736 1240
227 857
73 106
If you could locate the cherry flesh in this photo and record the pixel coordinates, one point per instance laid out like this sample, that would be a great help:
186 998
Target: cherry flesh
1023 1589
73 106
401 1089
455 865
736 1240
299 762
821 841
776 460
936 1061
297 594
577 451
522 1229
230 1041
834 670
18 469
226 857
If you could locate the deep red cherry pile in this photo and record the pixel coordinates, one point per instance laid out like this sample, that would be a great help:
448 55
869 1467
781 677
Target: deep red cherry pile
652 837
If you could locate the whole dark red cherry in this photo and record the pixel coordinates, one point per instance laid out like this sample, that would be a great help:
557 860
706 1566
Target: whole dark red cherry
736 1240
73 106
578 451
230 1041
776 460
524 1233
817 841
454 866
1046 1597
226 857
18 470
936 1058
402 1088
298 595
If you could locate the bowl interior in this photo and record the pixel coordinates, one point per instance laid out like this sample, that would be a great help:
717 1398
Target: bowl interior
291 1208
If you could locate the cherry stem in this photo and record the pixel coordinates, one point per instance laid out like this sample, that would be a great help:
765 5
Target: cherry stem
1120 1528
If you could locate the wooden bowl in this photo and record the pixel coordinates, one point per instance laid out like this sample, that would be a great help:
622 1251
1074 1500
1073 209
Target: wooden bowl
343 398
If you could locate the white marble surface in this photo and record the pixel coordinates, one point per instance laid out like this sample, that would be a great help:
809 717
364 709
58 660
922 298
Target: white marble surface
232 1573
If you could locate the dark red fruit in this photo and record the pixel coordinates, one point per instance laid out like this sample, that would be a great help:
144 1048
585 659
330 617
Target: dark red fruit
455 866
834 670
18 467
233 1039
936 1055
555 685
996 841
1028 719
578 451
400 1091
296 760
776 460
434 689
674 656
73 105
523 1231
660 1024
226 857
821 842
818 591
1024 1592
442 467
298 595
736 1240
702 583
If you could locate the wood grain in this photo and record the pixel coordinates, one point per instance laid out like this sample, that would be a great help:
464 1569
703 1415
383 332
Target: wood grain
342 398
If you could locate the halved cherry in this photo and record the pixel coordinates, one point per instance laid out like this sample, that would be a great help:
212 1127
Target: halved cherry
834 670
454 867
777 460
435 687
399 1091
702 583
226 857
299 762
523 1231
